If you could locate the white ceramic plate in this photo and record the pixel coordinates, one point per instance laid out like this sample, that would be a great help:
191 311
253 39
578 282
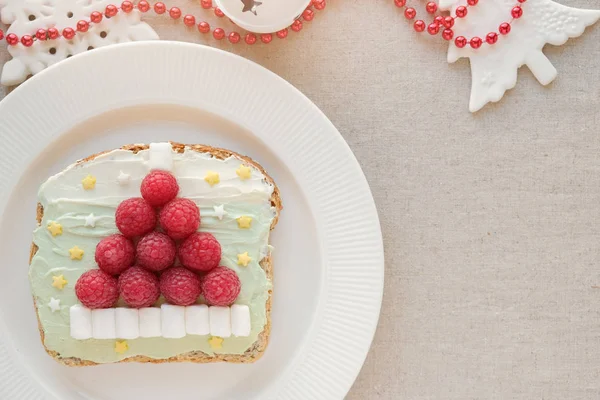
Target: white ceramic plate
329 252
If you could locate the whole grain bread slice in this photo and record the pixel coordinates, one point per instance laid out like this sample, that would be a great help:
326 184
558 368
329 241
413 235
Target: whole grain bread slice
258 348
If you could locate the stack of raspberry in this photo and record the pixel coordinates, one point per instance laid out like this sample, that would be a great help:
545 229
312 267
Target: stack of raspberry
139 264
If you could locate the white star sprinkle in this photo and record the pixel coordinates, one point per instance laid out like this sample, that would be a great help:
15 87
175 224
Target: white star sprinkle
90 220
123 178
54 304
220 211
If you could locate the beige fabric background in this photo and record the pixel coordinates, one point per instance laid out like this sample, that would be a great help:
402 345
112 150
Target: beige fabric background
490 221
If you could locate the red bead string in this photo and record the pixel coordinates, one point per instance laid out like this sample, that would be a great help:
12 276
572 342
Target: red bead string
160 8
445 24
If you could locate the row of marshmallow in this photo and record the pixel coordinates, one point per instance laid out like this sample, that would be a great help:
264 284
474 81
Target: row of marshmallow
168 321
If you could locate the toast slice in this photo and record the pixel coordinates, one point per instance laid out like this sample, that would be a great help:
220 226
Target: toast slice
253 351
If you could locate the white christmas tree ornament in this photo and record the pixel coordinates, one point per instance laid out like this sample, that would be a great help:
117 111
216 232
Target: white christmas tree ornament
25 17
494 68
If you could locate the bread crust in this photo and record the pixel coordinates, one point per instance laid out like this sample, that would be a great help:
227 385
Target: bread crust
258 348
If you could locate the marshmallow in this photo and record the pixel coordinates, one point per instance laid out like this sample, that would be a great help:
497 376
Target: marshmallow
103 323
196 320
150 322
220 321
161 156
173 321
81 322
127 323
240 320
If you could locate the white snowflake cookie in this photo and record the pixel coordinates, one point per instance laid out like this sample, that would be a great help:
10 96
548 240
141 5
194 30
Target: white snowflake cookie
494 68
27 16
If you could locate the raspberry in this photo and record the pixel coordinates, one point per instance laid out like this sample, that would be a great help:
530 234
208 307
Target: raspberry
135 217
156 251
221 286
159 187
200 252
115 254
139 287
180 218
97 289
180 286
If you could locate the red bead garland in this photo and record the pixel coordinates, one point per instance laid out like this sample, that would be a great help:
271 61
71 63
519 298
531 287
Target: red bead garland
12 39
189 20
319 4
440 23
27 40
475 42
160 8
460 42
282 34
431 7
41 34
204 27
308 14
219 33
447 22
111 10
266 37
433 28
250 38
234 37
504 28
127 6
491 38
175 12
68 33
53 33
419 25
143 6
448 34
461 12
96 17
83 26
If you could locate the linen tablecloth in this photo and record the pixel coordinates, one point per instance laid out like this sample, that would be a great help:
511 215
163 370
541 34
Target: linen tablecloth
491 220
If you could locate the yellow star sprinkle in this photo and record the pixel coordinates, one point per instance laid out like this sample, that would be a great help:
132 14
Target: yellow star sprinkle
212 178
215 342
244 172
76 253
244 222
244 259
54 228
59 282
121 346
89 182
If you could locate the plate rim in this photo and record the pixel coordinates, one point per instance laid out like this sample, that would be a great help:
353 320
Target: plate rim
310 374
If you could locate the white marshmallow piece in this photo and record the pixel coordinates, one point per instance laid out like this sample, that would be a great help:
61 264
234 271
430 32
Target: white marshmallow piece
127 323
104 324
240 320
196 320
161 156
150 325
220 321
173 321
81 322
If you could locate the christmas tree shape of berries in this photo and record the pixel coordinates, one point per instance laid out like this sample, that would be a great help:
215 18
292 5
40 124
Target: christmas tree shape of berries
140 263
